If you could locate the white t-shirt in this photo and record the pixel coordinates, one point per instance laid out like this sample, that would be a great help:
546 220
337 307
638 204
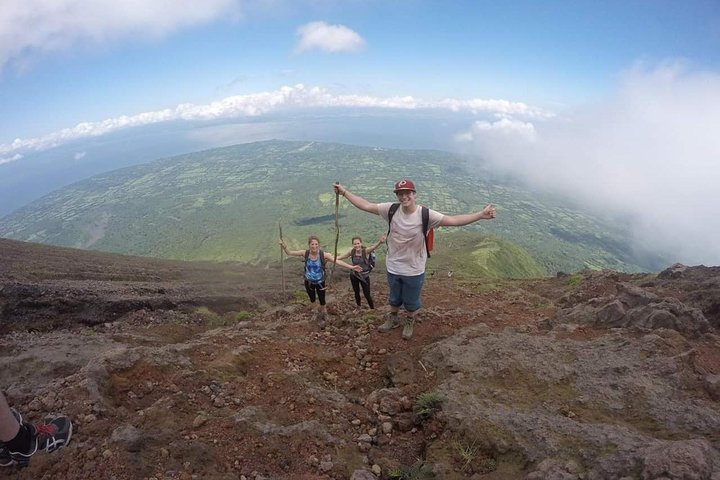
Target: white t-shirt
406 246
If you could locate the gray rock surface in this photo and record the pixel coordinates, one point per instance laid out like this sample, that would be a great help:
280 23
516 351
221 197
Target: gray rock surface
608 396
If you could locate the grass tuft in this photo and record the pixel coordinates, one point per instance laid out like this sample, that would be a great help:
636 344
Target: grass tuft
428 403
417 471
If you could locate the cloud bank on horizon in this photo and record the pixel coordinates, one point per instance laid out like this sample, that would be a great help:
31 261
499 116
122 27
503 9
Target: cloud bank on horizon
298 96
650 154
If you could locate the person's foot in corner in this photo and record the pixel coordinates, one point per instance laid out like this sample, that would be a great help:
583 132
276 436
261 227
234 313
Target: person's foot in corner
49 437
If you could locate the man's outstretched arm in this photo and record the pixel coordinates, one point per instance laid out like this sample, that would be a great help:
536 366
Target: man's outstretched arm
356 200
486 213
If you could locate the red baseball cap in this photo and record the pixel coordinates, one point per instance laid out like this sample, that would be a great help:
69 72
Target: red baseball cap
404 185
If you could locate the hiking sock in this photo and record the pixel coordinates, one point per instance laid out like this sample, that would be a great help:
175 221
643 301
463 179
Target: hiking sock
23 440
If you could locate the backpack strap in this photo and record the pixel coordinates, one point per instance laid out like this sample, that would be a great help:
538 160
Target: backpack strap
321 255
391 212
425 213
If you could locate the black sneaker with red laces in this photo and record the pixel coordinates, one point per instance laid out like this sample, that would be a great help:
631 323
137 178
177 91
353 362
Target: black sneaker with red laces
45 436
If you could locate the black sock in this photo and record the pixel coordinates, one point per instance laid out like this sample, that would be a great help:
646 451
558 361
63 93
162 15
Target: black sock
23 439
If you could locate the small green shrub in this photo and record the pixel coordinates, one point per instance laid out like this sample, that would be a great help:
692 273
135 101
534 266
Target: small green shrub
609 449
417 471
178 318
428 403
574 280
300 296
210 317
242 315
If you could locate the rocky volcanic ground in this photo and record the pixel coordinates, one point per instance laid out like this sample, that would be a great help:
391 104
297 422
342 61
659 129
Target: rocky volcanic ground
177 371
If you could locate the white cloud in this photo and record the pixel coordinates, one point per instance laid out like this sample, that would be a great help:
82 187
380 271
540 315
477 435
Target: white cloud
327 38
505 128
650 153
298 96
31 27
79 155
14 158
503 108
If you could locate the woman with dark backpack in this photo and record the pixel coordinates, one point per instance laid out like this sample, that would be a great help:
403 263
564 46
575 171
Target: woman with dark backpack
365 258
315 272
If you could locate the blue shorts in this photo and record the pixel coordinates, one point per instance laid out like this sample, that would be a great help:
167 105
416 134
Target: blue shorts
405 291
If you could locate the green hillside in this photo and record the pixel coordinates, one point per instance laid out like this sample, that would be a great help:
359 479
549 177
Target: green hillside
471 254
225 204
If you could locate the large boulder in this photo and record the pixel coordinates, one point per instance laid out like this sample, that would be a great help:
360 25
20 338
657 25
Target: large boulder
634 306
691 459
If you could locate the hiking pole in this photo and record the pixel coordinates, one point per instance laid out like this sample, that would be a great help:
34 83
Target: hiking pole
282 260
337 228
491 180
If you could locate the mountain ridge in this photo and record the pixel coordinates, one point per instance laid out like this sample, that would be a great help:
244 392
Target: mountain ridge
226 204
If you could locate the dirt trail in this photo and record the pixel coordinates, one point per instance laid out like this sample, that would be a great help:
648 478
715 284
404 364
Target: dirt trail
229 379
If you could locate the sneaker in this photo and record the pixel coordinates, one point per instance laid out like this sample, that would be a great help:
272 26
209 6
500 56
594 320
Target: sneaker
5 458
408 328
391 321
48 437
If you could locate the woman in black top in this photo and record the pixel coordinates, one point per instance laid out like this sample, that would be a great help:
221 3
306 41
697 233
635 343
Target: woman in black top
361 256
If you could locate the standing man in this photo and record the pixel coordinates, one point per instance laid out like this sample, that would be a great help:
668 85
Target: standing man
406 247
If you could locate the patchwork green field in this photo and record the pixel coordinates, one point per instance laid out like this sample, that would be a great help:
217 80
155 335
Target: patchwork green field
227 204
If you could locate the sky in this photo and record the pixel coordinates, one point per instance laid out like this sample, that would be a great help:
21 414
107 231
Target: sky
615 104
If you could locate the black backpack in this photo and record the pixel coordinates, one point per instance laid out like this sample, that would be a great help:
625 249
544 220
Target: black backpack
428 234
321 254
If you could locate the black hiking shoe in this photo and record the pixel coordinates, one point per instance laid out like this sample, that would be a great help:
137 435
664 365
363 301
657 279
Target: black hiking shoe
391 321
46 436
5 458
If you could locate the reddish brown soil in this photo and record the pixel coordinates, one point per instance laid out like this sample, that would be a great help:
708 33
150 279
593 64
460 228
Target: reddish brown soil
273 363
